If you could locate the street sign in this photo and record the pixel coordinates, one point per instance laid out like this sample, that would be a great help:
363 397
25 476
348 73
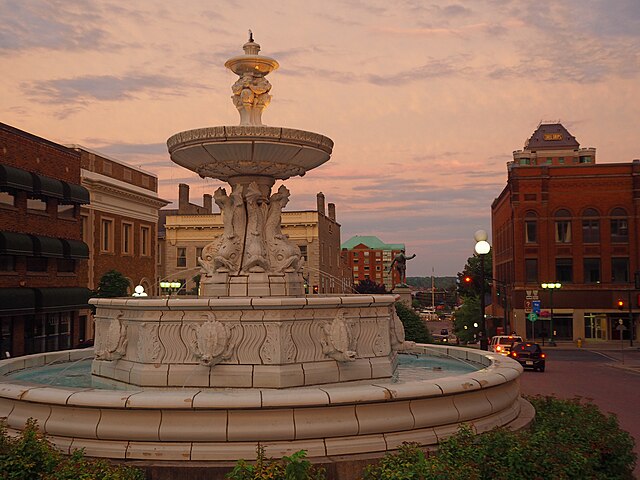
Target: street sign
535 306
527 306
532 317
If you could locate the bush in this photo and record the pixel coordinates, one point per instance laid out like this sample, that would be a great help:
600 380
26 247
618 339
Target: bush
567 440
295 467
414 328
30 456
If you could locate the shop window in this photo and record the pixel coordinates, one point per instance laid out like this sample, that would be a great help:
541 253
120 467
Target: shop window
591 270
594 325
564 270
619 270
37 264
181 257
7 198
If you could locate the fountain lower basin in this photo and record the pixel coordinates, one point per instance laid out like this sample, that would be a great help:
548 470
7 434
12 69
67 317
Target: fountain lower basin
191 424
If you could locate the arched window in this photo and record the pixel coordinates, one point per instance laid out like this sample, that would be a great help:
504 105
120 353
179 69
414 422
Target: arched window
619 226
590 226
531 227
563 226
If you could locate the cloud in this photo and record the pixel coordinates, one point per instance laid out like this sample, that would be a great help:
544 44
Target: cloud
82 90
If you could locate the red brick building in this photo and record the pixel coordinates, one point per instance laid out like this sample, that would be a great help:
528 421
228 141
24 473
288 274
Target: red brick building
568 220
43 261
370 258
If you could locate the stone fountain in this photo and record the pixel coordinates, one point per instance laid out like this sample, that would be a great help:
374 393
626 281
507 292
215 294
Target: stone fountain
253 359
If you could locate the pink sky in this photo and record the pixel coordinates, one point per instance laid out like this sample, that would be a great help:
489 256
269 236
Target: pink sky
425 100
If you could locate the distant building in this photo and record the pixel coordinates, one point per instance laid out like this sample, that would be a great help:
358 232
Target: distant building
120 225
185 231
370 258
43 260
563 218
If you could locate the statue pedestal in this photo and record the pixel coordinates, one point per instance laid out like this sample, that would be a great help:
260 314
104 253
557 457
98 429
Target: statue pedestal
405 294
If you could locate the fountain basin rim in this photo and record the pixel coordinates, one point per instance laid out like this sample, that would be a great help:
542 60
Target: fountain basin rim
498 370
250 303
231 133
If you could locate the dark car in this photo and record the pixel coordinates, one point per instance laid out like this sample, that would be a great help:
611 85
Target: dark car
529 355
444 331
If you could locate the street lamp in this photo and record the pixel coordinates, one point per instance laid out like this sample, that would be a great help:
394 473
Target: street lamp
170 286
551 287
481 248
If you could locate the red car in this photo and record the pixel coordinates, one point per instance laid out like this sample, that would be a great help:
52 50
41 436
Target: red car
529 355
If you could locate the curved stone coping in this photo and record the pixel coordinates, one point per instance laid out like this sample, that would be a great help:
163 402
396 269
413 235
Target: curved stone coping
499 370
245 303
249 133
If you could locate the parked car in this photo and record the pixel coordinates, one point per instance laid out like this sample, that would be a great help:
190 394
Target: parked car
529 355
502 343
444 331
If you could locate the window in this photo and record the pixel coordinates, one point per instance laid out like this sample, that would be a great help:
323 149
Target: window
7 198
530 228
563 226
564 270
524 161
145 241
591 270
181 257
355 268
37 264
303 251
198 253
84 229
66 211
66 265
619 226
619 270
590 226
549 160
106 235
531 270
127 238
7 263
36 204
585 159
366 254
561 160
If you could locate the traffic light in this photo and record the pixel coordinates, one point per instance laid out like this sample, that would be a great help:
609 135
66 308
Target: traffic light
315 289
467 280
620 304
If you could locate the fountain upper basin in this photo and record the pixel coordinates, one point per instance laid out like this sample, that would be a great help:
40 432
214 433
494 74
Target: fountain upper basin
225 152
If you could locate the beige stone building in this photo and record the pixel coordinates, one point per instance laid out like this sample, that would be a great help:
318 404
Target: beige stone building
183 233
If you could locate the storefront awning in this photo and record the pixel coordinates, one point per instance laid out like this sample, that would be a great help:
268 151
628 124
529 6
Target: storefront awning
62 299
48 247
47 186
17 301
15 179
75 193
12 243
75 249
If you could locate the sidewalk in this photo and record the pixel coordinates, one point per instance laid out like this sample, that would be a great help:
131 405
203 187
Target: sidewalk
600 345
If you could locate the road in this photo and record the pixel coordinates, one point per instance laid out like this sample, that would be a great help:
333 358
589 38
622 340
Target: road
595 376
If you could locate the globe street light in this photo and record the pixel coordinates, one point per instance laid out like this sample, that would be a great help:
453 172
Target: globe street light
481 248
551 287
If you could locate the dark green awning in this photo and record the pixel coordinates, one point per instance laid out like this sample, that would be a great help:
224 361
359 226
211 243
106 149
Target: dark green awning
48 247
17 301
61 299
75 193
47 186
75 249
12 243
15 179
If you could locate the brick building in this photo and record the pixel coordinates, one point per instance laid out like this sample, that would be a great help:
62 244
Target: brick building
120 225
572 221
370 258
186 230
43 261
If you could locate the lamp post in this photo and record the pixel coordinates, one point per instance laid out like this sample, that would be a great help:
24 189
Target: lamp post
170 286
481 248
551 287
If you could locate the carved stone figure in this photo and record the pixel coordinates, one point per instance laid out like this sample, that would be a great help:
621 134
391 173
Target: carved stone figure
113 344
212 344
255 254
149 348
251 97
337 339
396 331
284 255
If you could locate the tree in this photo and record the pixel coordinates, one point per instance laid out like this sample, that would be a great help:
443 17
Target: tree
369 286
465 317
472 269
414 328
112 284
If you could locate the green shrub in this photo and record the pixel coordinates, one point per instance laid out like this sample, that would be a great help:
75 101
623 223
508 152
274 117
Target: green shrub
295 467
568 439
414 328
30 456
